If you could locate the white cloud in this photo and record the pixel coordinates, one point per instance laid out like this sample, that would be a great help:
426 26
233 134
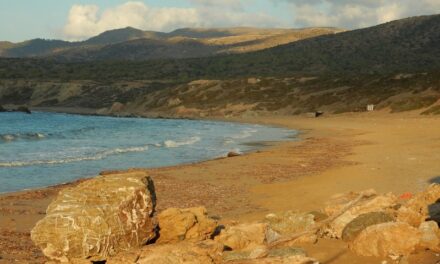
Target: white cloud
356 13
86 20
226 4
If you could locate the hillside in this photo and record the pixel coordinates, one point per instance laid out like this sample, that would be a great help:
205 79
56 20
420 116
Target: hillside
134 44
395 66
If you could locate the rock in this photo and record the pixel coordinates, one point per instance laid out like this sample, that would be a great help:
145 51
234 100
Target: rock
280 260
430 236
243 237
288 223
233 154
380 203
192 224
421 206
204 252
286 252
117 107
363 221
130 256
408 215
259 252
262 252
2 109
387 239
337 202
23 109
318 216
236 255
98 218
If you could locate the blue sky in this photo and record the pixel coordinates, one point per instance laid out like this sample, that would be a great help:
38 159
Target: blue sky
80 19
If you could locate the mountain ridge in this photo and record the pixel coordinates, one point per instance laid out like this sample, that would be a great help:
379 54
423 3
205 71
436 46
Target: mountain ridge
394 66
212 37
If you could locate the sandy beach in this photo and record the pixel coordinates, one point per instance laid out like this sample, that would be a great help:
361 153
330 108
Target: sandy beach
335 154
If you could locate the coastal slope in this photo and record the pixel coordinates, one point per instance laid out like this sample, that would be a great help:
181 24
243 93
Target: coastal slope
335 73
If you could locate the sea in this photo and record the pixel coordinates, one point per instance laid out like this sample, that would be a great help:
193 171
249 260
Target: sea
44 149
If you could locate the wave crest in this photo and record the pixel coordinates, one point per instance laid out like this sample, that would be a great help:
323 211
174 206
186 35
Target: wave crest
13 137
97 156
176 144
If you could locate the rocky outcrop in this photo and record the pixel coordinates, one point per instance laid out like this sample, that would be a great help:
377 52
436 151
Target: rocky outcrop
430 236
2 109
280 260
24 109
203 252
192 224
263 251
388 239
98 218
243 237
375 203
421 206
111 218
290 222
352 229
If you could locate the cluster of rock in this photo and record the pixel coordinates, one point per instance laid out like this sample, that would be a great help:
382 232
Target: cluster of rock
112 218
22 109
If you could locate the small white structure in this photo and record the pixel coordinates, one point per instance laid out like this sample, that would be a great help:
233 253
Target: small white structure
370 107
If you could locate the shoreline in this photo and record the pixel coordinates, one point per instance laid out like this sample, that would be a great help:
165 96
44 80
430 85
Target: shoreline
256 145
336 154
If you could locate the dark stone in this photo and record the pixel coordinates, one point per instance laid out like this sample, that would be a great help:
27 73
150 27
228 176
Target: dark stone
315 114
233 154
24 109
319 216
355 227
2 109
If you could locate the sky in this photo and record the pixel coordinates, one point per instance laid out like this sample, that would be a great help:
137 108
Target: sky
79 19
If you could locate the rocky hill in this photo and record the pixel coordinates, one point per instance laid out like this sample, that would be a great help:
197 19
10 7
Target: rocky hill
134 44
395 66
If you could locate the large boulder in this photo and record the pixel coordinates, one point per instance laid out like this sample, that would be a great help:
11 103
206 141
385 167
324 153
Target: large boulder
374 203
288 223
98 218
387 239
243 237
192 224
363 221
422 206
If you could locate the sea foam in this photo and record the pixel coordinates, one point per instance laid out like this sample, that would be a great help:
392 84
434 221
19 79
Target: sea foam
97 156
176 144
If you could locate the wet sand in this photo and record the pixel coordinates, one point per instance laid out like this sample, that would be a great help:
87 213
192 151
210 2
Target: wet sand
350 152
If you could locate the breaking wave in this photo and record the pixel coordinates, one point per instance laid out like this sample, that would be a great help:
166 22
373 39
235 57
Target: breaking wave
28 136
176 144
245 134
98 156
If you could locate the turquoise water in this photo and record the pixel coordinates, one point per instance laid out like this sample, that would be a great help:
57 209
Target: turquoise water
44 149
